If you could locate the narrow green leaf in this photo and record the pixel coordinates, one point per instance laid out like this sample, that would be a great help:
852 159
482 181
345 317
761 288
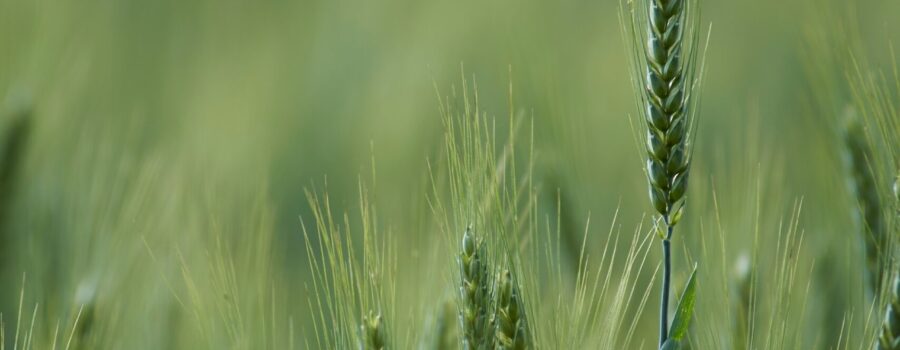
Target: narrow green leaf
685 309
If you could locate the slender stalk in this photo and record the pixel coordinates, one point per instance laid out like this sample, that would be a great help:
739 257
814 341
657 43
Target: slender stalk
445 336
667 282
743 305
13 146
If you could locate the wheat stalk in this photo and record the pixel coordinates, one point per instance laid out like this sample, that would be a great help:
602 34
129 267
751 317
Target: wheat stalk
444 336
14 143
743 304
15 138
474 294
509 318
668 75
861 179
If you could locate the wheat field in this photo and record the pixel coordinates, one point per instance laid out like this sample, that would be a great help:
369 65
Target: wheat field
479 175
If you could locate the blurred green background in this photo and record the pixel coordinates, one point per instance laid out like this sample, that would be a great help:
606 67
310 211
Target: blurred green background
139 108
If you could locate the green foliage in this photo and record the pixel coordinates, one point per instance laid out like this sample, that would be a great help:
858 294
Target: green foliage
671 344
685 310
349 286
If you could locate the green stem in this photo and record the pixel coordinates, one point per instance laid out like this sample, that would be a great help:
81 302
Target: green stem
667 281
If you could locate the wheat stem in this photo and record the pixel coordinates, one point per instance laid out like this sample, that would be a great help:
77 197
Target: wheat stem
667 282
445 336
743 304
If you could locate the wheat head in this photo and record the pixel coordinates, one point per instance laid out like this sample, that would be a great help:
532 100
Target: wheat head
667 71
509 318
474 294
668 81
863 185
373 333
889 336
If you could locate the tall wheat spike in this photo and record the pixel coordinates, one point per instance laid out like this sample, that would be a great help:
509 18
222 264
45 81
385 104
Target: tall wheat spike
667 70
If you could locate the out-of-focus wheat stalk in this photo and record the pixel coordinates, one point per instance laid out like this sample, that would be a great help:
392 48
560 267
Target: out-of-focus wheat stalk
859 161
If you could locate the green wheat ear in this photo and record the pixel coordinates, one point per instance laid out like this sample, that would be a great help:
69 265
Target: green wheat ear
665 39
512 330
668 82
889 336
863 184
474 294
373 333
